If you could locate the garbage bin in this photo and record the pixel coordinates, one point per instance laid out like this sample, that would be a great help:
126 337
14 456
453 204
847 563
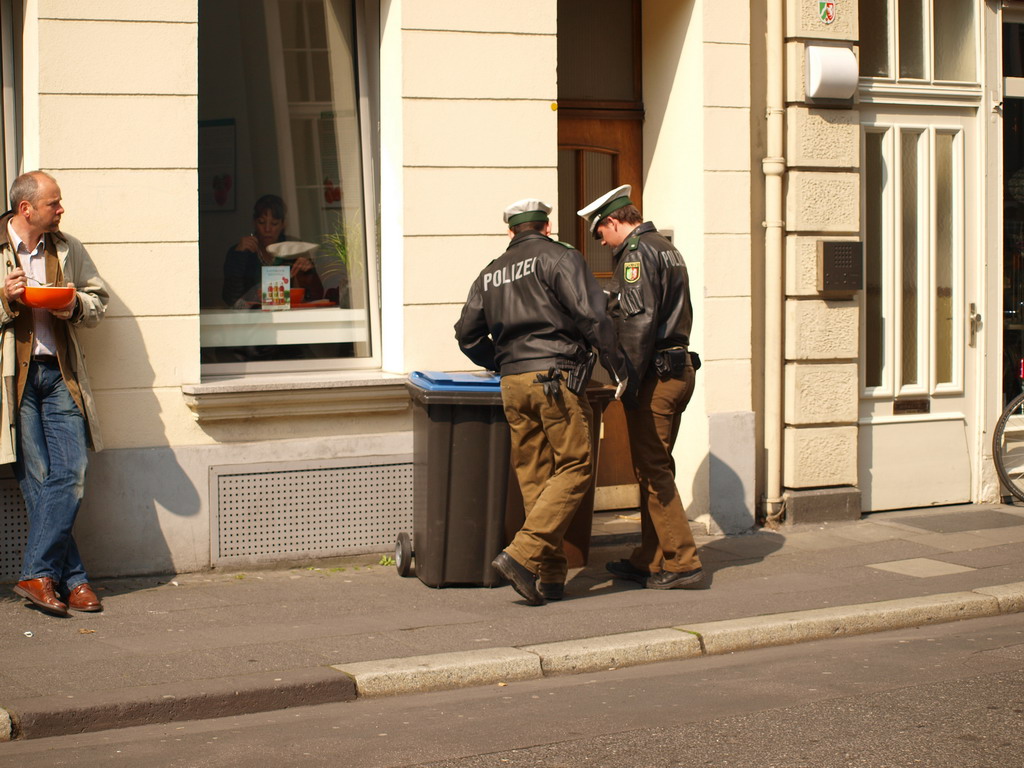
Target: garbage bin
460 479
466 500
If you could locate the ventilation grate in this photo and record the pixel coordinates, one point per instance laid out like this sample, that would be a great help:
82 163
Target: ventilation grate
13 530
284 511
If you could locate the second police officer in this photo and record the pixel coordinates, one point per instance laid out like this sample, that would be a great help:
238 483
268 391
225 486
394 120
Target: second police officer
537 316
650 290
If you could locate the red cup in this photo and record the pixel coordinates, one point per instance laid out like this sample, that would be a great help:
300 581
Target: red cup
297 296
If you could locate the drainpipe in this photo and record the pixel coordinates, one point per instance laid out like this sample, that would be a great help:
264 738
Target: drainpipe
774 167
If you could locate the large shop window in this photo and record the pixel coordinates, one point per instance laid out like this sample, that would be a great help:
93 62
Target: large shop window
287 218
929 40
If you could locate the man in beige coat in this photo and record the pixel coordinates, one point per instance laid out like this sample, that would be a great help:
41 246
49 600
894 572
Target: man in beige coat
47 414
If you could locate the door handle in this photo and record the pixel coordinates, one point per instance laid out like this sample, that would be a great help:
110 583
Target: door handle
976 324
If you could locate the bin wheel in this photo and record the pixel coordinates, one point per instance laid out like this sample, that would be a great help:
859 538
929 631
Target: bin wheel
403 553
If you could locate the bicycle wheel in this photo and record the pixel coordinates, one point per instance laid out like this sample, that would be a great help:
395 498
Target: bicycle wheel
1008 447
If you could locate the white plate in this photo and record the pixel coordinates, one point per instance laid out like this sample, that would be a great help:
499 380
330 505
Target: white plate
290 249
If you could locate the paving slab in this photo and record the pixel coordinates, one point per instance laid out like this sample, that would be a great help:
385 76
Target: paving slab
921 567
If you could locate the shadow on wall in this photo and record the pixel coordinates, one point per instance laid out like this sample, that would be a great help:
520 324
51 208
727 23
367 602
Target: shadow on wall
128 490
728 499
731 511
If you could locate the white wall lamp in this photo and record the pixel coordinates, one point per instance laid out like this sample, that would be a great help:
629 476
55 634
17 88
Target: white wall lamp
831 75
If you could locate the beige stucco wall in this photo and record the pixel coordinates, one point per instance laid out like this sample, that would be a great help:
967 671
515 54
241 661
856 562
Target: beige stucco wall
117 127
478 132
697 182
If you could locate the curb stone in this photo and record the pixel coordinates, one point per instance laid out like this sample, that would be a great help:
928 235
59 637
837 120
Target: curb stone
192 700
1010 596
441 671
626 650
389 677
719 637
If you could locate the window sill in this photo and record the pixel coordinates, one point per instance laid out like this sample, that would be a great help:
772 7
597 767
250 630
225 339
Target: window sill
882 91
293 395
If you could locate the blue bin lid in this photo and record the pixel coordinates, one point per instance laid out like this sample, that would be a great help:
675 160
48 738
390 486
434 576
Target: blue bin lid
443 381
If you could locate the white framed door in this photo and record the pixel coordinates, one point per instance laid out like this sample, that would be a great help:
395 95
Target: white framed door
919 310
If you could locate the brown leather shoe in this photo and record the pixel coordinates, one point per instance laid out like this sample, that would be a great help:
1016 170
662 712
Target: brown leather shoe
82 598
40 592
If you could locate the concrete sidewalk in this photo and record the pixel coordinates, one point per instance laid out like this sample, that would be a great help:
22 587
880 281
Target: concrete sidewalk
217 644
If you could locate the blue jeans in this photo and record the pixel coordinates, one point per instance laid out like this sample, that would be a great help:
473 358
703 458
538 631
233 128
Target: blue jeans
51 471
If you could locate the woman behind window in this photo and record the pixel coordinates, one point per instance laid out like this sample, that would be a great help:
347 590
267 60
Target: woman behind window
244 262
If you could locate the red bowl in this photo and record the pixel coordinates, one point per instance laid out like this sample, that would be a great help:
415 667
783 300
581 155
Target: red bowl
47 298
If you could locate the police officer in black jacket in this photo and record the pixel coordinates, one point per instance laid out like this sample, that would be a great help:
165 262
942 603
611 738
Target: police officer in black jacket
537 316
650 302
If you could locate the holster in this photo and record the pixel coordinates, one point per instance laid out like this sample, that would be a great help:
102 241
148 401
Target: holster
670 363
578 372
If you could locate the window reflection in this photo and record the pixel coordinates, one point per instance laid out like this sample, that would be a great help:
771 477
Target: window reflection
874 38
945 255
909 256
874 253
284 74
953 21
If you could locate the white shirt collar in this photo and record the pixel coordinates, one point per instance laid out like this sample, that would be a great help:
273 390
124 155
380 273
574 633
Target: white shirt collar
17 242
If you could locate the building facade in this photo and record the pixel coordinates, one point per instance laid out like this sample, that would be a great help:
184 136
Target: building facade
833 173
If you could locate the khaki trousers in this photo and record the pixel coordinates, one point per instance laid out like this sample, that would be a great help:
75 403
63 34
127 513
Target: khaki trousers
666 539
551 456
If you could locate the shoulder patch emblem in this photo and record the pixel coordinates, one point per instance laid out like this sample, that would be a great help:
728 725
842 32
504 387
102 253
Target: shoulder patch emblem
631 271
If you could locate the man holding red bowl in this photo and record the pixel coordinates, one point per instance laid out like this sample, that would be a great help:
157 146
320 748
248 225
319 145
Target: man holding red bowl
47 414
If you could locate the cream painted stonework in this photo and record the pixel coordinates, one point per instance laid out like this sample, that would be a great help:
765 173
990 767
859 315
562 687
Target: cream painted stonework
524 16
112 57
468 133
820 456
822 138
727 265
821 330
482 194
803 19
430 338
727 385
725 130
90 196
726 22
728 80
131 288
819 201
727 324
442 268
70 124
730 212
479 66
119 10
819 393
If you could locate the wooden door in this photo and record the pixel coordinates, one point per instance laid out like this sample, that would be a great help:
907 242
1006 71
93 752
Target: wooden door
600 146
596 154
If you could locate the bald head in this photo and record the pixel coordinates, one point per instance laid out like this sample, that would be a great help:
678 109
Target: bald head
28 187
35 200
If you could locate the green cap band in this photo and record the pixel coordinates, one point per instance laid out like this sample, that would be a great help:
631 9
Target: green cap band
612 206
520 218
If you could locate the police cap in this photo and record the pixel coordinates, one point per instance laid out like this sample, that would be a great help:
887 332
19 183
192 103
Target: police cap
607 203
528 209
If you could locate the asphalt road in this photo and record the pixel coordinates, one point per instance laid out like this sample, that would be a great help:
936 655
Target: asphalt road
948 695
